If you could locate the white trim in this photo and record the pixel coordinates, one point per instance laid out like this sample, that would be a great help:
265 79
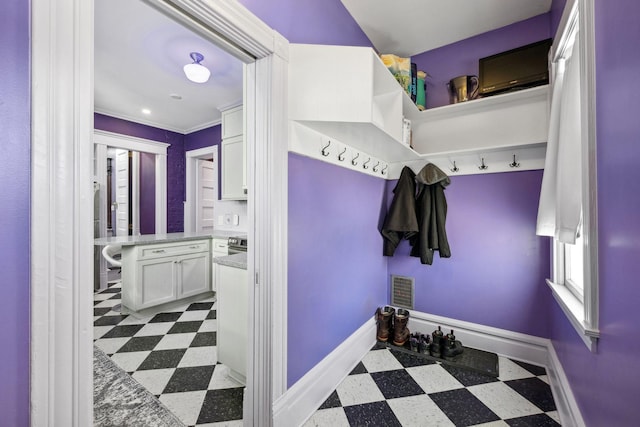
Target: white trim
565 401
127 142
514 345
135 192
191 171
62 200
309 392
143 121
574 310
61 391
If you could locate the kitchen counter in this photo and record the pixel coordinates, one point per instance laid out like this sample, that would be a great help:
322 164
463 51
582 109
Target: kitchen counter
148 239
235 260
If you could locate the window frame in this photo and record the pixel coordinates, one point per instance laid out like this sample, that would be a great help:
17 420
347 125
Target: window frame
583 314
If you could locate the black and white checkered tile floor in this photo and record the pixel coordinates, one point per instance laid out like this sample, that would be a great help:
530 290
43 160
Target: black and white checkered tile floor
173 355
390 388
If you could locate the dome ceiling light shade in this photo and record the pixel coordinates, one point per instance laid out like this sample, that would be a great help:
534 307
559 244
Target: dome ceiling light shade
196 72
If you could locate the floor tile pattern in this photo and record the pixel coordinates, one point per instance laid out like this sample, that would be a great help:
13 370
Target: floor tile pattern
392 388
173 355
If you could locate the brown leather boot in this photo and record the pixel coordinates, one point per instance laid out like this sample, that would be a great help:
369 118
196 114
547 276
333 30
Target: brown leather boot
400 330
384 316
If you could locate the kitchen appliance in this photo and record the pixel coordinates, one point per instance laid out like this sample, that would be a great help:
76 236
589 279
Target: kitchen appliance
463 88
237 245
519 68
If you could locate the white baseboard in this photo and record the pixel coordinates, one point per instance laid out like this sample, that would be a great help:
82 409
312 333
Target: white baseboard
302 399
568 410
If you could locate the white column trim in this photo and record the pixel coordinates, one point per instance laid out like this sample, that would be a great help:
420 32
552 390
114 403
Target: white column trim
61 213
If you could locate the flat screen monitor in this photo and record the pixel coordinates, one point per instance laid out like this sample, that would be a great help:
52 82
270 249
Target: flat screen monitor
518 68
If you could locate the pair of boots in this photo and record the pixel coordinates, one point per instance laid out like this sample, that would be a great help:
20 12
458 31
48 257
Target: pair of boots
392 323
445 345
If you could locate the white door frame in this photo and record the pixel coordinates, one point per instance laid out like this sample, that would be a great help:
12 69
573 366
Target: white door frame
159 149
191 170
61 390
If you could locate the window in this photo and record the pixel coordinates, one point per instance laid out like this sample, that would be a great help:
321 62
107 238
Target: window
567 210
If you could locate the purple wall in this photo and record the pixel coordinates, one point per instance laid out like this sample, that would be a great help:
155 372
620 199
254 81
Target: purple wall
337 275
206 138
147 193
15 167
498 266
605 384
175 162
461 58
310 21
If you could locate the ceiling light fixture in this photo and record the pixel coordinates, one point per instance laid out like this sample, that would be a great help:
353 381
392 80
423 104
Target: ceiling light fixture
196 72
146 111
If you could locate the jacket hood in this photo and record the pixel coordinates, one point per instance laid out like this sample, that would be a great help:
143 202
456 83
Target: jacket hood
431 174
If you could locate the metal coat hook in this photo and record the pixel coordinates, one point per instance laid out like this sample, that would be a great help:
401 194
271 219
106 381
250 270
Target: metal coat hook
375 168
384 169
365 164
353 161
324 149
455 168
341 155
514 164
483 166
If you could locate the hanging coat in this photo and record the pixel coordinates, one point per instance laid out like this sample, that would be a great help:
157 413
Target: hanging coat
401 221
431 211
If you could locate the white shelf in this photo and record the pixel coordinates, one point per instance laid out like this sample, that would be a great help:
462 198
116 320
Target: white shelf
507 121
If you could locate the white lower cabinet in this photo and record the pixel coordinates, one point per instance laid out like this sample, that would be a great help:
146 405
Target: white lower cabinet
161 273
233 320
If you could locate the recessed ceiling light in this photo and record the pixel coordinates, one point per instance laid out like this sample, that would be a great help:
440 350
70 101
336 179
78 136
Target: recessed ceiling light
146 111
175 96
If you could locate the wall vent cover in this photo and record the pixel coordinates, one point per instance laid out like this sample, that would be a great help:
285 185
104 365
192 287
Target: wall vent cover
402 291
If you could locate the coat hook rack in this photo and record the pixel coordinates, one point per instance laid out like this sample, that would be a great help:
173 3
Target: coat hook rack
365 165
341 155
324 149
483 166
353 161
384 169
514 164
455 168
376 167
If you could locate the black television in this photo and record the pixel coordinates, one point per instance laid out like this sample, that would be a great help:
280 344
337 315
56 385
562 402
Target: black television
519 68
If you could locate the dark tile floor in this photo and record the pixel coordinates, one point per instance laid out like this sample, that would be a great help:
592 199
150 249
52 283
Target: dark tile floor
173 355
391 388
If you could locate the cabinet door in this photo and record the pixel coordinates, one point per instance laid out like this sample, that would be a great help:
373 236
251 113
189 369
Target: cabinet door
157 282
194 274
232 122
232 169
233 317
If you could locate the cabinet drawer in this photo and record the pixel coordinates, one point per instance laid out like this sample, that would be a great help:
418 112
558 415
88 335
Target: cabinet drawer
170 249
220 247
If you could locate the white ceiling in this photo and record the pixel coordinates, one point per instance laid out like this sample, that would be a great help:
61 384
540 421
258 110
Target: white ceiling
139 55
409 27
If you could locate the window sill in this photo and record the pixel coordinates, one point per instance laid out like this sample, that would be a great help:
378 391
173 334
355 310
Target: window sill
574 310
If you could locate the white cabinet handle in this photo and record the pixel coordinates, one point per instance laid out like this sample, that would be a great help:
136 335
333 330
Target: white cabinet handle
194 247
158 251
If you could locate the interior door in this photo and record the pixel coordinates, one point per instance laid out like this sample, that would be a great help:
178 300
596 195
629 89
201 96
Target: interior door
206 183
122 192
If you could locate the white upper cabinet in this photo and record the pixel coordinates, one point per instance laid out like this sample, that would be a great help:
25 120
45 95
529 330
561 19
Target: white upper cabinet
233 155
347 93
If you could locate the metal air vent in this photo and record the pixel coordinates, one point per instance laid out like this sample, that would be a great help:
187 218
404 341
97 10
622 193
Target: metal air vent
402 291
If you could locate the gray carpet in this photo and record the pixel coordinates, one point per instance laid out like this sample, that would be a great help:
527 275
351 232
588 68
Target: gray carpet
119 400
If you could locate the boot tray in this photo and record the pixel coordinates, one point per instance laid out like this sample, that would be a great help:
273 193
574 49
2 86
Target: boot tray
480 361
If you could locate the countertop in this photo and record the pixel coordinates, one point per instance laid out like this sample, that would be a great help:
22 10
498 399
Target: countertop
235 260
148 239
